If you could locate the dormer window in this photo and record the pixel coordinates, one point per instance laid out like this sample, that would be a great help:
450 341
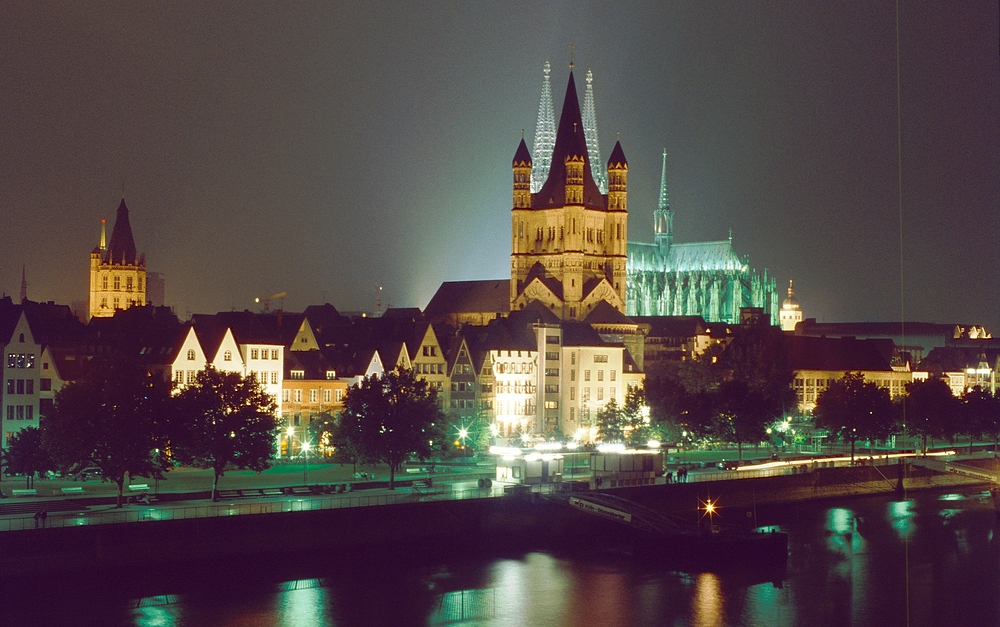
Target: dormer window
297 374
331 375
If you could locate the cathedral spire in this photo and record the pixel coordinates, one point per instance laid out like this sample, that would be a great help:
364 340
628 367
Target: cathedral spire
545 134
104 235
121 249
664 196
590 132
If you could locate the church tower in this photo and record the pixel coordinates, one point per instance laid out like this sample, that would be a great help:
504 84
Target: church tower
791 311
117 273
568 239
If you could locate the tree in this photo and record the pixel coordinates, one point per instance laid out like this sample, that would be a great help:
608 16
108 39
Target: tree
853 409
930 410
112 418
756 385
981 412
224 419
26 455
390 418
610 423
635 417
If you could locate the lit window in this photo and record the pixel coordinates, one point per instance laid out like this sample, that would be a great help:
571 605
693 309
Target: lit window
298 396
313 395
327 395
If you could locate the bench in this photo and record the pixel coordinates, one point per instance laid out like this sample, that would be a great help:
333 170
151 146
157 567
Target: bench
31 492
72 490
139 487
229 494
271 492
299 490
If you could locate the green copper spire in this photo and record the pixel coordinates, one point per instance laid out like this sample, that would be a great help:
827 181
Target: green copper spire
664 197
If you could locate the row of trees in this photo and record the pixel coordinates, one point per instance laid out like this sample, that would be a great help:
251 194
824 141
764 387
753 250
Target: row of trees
854 410
123 420
736 395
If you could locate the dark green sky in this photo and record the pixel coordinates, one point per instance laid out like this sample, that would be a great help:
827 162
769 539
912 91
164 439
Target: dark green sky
321 148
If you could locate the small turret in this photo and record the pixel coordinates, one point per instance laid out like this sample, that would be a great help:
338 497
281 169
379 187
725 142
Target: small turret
663 217
522 176
617 179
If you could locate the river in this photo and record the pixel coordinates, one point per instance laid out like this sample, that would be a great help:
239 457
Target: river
933 559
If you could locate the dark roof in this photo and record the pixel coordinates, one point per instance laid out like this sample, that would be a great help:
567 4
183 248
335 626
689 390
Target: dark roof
580 334
617 157
955 358
838 354
412 314
247 327
522 157
809 326
121 248
313 364
604 313
9 315
454 297
534 311
570 142
673 326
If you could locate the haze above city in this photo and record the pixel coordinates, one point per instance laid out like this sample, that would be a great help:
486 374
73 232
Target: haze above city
324 149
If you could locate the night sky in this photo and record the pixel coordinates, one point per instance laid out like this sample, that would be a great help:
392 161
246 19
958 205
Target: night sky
323 148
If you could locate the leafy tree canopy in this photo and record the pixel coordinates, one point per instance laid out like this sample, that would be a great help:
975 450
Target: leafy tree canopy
112 418
930 410
391 418
26 455
852 409
224 419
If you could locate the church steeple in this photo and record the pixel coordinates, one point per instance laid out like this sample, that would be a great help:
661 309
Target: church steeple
24 286
663 217
590 132
522 176
121 249
545 134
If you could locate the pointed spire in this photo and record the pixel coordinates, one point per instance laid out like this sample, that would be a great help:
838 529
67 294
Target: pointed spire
522 157
121 248
590 132
570 143
24 286
664 196
545 134
104 235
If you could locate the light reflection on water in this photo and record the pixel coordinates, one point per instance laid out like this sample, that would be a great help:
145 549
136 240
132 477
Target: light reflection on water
847 565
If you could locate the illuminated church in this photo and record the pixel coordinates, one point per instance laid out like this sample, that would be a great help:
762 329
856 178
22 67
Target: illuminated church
570 249
117 272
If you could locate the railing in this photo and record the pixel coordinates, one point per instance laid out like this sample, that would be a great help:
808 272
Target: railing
287 504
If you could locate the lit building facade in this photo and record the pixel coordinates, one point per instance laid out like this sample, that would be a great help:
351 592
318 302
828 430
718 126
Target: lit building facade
117 272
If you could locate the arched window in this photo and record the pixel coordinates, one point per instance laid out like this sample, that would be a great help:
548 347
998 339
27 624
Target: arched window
190 354
227 356
21 338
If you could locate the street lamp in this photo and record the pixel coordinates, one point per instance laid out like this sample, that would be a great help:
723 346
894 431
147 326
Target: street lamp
305 472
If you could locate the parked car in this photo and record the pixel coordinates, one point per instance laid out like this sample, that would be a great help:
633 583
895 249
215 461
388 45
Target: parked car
729 464
90 472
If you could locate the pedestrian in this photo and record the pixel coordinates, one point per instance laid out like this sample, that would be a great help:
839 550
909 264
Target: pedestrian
45 515
38 516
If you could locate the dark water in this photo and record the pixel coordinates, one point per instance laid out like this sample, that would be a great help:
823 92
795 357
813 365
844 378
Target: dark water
931 560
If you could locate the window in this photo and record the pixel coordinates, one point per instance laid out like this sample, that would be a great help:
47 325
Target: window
551 372
29 386
585 395
263 354
254 353
298 396
227 356
611 393
45 385
331 375
10 416
572 375
190 376
140 284
128 284
313 396
10 386
572 359
552 339
552 356
338 396
551 404
586 375
284 396
327 395
20 386
572 413
600 359
179 376
614 376
104 282
274 353
20 412
600 394
274 377
551 389
29 412
572 394
600 375
118 283
297 374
